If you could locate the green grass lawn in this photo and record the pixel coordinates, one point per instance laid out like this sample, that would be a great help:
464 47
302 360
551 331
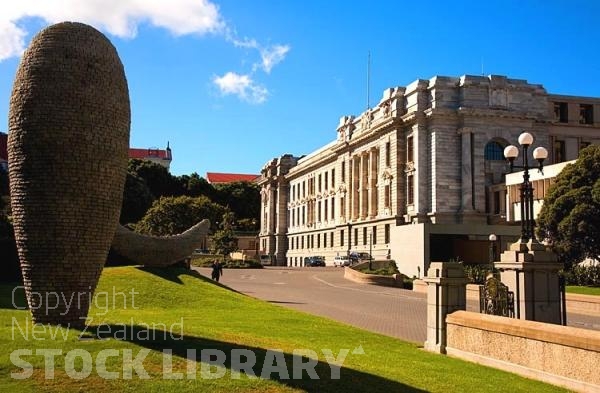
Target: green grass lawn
211 317
583 290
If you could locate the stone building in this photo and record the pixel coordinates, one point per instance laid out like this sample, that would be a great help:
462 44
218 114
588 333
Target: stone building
421 176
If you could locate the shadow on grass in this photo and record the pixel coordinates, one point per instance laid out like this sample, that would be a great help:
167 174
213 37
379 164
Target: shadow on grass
12 296
253 360
171 273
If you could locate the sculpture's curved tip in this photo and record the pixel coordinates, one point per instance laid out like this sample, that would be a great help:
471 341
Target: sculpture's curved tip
159 251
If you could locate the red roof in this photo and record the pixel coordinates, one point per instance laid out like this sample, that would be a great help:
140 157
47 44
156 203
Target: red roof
148 153
214 177
3 146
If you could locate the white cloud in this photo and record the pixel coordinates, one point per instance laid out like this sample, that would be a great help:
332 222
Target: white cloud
12 40
242 86
117 17
122 18
272 56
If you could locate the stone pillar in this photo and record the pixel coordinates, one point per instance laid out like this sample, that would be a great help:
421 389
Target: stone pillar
364 194
530 271
355 187
446 293
373 200
466 170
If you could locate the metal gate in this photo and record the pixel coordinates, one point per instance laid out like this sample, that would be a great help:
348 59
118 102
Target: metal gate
496 299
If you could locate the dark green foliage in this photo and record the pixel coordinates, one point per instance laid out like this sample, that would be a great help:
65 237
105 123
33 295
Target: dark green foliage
224 241
583 276
3 183
242 198
570 218
476 274
173 215
157 178
137 199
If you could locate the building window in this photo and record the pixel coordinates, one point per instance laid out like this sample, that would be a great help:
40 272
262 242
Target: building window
387 233
343 171
364 236
494 151
583 145
319 211
333 178
559 151
331 239
409 149
410 190
312 241
356 236
561 112
333 208
496 202
387 194
319 186
324 240
586 114
388 154
325 205
318 240
342 238
302 242
374 234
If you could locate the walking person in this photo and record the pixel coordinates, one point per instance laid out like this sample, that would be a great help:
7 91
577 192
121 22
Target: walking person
217 270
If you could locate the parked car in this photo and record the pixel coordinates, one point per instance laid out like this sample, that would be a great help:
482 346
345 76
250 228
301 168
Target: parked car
356 257
341 260
314 261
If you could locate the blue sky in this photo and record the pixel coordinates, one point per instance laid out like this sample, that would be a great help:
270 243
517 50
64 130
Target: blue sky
231 84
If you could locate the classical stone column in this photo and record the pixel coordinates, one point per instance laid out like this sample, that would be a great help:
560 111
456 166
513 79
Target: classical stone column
373 200
446 293
355 187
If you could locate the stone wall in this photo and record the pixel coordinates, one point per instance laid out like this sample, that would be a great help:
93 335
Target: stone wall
560 355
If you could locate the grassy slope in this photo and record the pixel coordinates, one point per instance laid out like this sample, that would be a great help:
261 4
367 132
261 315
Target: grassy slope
584 290
215 317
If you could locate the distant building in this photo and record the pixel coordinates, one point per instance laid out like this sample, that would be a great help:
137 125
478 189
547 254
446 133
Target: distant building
158 156
222 178
421 176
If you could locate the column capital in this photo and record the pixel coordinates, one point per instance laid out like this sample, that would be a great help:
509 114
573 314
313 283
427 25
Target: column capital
465 130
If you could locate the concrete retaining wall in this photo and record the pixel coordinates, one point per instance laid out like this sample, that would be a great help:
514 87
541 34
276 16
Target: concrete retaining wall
356 276
560 355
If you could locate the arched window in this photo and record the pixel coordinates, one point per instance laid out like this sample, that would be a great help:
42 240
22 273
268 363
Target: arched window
494 151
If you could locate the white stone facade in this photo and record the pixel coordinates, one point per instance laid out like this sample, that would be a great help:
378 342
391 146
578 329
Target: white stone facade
420 177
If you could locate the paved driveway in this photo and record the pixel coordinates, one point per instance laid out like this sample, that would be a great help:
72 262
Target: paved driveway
324 291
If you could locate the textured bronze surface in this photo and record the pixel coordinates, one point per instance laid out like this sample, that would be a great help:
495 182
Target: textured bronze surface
69 122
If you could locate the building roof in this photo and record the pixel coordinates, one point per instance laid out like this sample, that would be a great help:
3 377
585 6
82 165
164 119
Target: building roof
143 154
216 178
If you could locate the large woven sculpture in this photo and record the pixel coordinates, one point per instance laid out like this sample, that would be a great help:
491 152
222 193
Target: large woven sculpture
159 251
68 144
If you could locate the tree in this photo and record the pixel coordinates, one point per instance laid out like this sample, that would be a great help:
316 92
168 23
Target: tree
173 215
242 197
224 241
157 177
137 199
570 217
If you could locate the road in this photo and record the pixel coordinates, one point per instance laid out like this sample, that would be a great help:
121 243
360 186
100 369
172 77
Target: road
324 291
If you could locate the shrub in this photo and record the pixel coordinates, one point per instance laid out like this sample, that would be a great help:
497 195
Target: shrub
476 274
583 276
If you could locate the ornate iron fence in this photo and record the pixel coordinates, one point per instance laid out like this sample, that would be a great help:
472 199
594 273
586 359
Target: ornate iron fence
496 299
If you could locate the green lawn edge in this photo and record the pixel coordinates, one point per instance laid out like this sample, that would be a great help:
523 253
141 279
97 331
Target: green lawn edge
595 291
215 317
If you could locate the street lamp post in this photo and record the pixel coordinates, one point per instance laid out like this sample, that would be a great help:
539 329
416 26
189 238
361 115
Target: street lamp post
511 153
492 238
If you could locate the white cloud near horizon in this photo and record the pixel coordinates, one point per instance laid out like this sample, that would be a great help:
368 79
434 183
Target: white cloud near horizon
241 86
